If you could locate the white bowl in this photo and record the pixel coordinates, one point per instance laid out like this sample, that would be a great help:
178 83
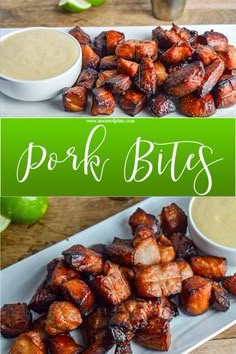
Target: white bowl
40 90
207 246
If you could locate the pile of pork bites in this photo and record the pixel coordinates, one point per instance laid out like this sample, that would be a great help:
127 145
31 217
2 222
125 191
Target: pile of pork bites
122 291
177 70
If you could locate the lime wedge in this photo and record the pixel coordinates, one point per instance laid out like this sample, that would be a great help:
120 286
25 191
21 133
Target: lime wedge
74 5
96 2
4 222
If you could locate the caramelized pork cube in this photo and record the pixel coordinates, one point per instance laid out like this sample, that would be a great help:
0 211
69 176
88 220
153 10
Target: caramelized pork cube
43 297
228 54
209 266
78 292
195 295
205 53
38 326
184 247
140 217
87 78
90 59
127 272
145 49
81 36
176 35
161 73
156 335
113 38
99 44
193 106
103 102
126 50
177 54
166 249
145 79
132 102
127 67
95 326
213 72
74 99
146 250
118 84
219 299
164 308
103 76
185 269
28 343
173 68
229 283
123 348
120 251
61 273
185 80
112 286
157 280
225 91
109 62
63 344
15 319
62 317
83 259
212 38
161 105
173 219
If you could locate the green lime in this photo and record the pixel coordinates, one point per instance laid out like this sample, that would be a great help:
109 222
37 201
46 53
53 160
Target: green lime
96 2
4 222
24 210
74 5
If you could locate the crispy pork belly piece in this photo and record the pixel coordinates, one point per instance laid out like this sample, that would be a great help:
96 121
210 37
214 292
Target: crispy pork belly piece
81 36
157 280
184 247
126 50
99 44
205 53
74 98
173 219
156 335
38 326
62 272
146 250
87 78
177 54
225 91
195 295
62 317
95 326
78 292
118 84
193 106
63 344
112 286
213 72
105 43
15 319
103 102
109 62
176 35
173 68
84 259
212 38
123 348
166 249
120 251
90 59
229 283
28 343
219 299
127 272
161 105
140 217
228 54
185 269
163 308
145 79
185 80
145 49
127 67
103 76
132 102
161 73
209 266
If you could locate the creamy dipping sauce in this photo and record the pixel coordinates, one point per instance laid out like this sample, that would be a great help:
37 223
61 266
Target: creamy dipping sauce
37 54
215 217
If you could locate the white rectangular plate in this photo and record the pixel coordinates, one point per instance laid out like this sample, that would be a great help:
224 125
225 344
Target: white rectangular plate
53 108
21 279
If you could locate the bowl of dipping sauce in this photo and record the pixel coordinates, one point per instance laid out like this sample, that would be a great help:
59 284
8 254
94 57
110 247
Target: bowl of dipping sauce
36 63
212 226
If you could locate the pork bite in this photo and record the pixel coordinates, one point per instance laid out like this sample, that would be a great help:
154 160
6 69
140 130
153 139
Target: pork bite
74 98
177 54
106 42
161 105
185 269
213 72
61 273
15 319
127 67
163 308
145 79
89 57
195 295
120 251
28 343
132 102
87 78
109 62
229 283
81 36
146 250
63 344
219 299
183 246
228 54
103 76
205 53
103 102
193 106
212 38
161 73
126 50
112 287
209 266
175 35
225 91
140 217
95 326
173 219
38 326
118 84
166 249
145 49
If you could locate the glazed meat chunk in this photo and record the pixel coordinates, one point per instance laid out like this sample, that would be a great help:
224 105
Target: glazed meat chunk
229 283
28 343
228 54
89 58
112 286
120 251
161 73
162 105
145 79
146 250
126 50
105 75
213 72
105 43
118 84
176 35
167 252
145 49
95 326
74 98
84 259
209 266
183 246
38 326
193 106
132 102
163 308
81 36
212 38
87 78
225 91
195 295
177 54
173 219
205 53
103 102
185 269
219 299
63 344
140 217
62 317
109 62
127 67
61 273
15 319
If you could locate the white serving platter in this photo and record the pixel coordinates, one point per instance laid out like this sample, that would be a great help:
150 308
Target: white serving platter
53 108
21 279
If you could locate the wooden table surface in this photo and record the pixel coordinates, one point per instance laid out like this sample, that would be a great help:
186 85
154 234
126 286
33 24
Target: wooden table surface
67 216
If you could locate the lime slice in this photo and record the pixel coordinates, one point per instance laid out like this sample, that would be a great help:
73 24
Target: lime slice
74 5
96 2
4 222
24 210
